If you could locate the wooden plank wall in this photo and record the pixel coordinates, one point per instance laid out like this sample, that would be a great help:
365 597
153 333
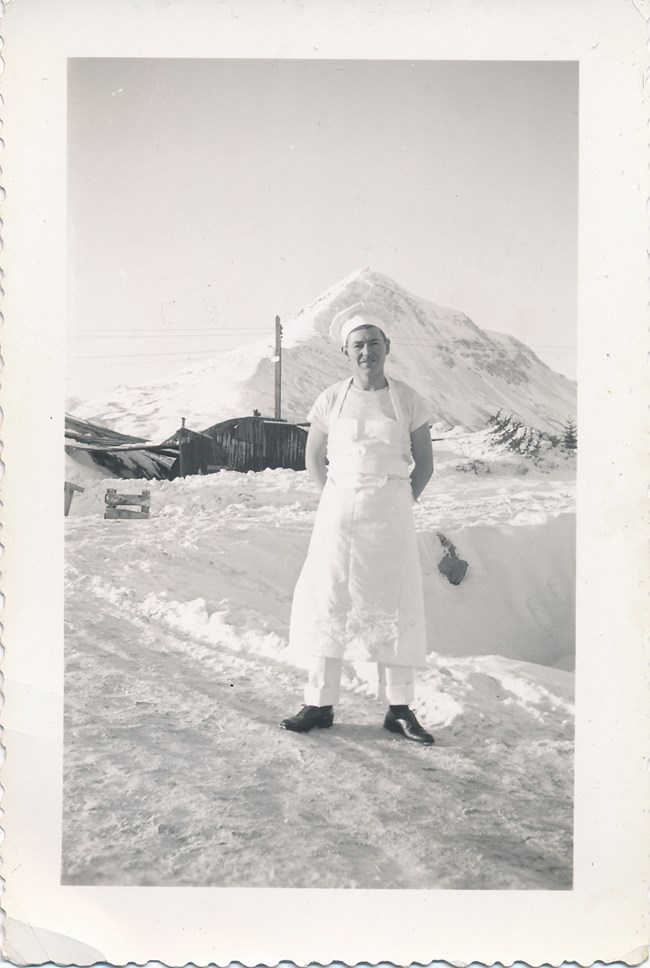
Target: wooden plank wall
198 453
252 444
285 446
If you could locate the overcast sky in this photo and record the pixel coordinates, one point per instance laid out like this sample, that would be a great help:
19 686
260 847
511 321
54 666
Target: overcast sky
215 194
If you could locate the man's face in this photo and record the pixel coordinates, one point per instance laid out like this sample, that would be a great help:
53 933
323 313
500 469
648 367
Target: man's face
367 349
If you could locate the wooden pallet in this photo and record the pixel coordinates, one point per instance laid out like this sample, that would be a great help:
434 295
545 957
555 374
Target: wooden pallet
137 505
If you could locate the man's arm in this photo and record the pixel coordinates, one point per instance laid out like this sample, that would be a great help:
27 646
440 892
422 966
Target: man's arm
423 457
315 451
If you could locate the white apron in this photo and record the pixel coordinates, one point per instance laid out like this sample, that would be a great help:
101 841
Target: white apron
360 590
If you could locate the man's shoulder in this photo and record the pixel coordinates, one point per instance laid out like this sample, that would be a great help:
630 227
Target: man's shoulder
404 389
327 398
415 405
332 389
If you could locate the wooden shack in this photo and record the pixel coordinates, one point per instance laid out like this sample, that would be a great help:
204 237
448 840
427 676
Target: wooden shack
120 455
240 444
255 443
198 453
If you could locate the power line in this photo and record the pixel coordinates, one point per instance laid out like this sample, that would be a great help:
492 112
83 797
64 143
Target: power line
106 363
162 334
156 329
554 349
201 334
179 354
421 341
445 339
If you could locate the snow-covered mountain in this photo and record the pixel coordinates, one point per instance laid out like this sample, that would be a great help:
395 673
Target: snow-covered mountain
465 373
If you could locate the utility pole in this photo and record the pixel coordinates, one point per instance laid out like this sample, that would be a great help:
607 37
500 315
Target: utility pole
278 368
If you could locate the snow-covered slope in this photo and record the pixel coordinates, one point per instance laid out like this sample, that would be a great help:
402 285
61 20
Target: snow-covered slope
177 675
465 373
513 522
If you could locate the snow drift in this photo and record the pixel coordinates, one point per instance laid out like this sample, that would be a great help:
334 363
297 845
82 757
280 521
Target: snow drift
241 539
177 678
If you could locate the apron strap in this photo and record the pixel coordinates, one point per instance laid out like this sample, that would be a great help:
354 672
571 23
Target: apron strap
338 405
394 396
397 403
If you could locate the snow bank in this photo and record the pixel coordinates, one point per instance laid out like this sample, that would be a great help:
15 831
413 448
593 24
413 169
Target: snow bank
220 555
518 596
81 469
177 676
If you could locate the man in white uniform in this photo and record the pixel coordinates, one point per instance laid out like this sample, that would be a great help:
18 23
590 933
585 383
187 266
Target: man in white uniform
360 591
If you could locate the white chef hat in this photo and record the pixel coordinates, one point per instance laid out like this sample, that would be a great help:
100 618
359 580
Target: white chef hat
359 314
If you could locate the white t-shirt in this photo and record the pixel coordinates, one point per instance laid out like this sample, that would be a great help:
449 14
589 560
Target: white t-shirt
369 404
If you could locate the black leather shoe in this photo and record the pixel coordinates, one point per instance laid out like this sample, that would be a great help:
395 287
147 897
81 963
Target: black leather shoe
309 717
406 724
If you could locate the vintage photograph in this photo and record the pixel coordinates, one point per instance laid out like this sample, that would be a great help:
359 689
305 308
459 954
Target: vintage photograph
329 320
321 442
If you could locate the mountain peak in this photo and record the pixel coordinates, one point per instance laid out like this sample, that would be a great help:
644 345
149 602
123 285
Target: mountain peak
464 373
370 277
368 285
363 285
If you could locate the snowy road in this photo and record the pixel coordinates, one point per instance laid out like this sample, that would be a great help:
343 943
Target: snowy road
180 775
176 771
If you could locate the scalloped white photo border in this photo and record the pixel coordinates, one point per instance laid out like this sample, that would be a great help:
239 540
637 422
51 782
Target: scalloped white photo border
604 917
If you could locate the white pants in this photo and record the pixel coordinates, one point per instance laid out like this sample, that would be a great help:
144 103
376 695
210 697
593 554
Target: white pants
395 683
